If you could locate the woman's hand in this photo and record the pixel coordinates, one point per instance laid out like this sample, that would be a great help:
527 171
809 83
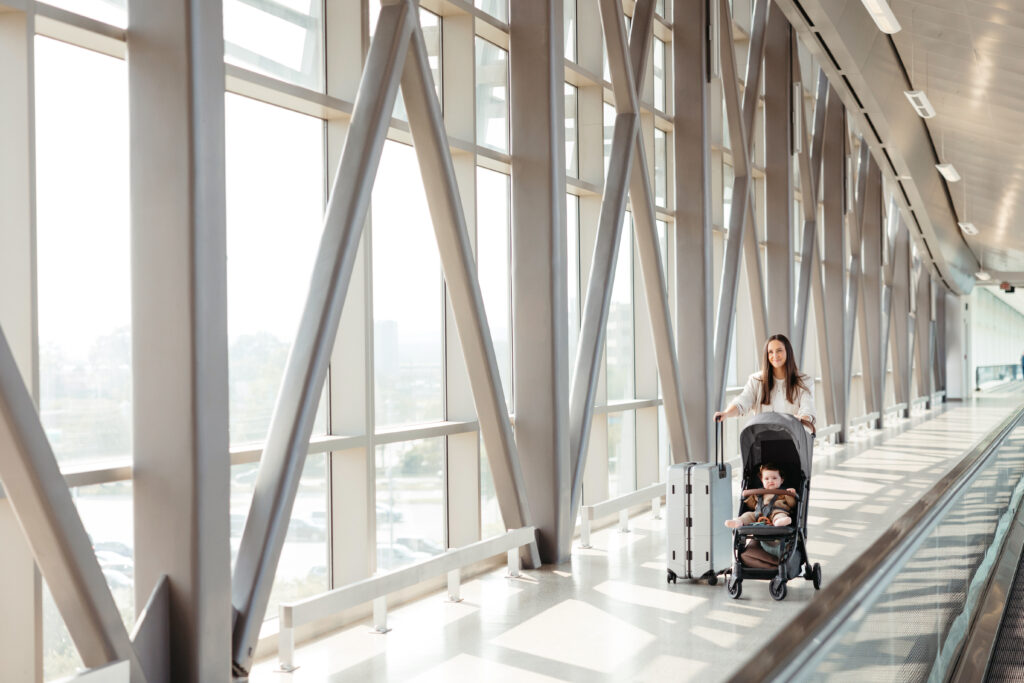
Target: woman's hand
719 416
728 412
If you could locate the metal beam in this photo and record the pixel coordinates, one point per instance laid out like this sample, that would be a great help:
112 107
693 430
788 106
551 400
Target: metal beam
855 221
540 338
694 289
924 333
594 319
810 171
833 256
741 215
460 273
900 314
292 422
180 469
42 503
778 145
869 306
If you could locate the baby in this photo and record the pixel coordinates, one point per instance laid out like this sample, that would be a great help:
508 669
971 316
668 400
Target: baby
768 507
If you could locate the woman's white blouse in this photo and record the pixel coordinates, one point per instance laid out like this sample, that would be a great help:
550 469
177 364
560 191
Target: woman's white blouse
750 399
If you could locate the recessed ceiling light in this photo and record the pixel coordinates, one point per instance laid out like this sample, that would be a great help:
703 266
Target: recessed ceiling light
921 104
982 275
882 14
949 172
968 228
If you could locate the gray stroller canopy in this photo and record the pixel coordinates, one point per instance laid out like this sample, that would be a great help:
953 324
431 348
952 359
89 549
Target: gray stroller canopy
773 427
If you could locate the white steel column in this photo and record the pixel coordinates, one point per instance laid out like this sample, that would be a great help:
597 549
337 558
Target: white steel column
869 305
21 628
540 335
179 326
694 289
833 256
899 311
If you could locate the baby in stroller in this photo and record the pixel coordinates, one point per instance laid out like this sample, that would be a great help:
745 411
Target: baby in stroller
770 530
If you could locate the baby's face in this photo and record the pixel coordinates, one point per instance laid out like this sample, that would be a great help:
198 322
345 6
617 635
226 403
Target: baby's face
771 479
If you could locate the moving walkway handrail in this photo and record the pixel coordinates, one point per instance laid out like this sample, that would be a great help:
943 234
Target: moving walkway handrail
798 646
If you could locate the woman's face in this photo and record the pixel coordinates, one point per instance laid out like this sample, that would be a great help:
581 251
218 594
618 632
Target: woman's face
777 353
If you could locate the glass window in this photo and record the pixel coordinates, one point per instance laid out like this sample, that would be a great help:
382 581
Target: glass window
430 23
621 453
302 570
496 8
619 334
572 165
572 248
728 179
494 266
609 132
660 168
106 512
84 266
569 27
281 38
491 522
407 297
659 74
410 502
662 228
491 96
113 12
275 199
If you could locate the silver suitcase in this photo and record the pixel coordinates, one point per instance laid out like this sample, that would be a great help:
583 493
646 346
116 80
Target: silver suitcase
698 501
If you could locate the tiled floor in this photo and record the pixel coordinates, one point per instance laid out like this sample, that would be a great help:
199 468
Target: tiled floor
609 615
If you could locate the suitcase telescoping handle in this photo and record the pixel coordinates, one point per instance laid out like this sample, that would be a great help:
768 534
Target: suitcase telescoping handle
720 448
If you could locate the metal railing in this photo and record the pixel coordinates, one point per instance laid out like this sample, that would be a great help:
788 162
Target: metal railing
620 504
377 588
795 650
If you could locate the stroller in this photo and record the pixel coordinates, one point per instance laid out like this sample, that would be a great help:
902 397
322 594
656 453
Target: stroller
781 439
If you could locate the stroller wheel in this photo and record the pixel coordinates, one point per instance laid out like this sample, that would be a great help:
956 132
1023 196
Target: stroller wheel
735 587
816 576
777 588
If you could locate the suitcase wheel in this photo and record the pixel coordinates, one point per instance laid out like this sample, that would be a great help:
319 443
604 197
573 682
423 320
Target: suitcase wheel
712 579
671 576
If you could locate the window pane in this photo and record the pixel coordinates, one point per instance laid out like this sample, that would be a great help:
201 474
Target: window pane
410 502
84 267
660 168
620 320
113 12
275 199
406 295
491 522
572 248
727 182
569 27
621 453
493 247
609 132
572 167
281 39
302 569
659 74
106 512
491 98
496 8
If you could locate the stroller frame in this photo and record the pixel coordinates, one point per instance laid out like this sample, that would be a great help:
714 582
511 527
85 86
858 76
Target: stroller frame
780 439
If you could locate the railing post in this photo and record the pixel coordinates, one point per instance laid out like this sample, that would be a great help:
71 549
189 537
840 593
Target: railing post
454 586
513 563
380 614
286 645
623 521
656 507
584 528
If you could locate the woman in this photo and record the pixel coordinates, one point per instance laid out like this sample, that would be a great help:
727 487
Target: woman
779 387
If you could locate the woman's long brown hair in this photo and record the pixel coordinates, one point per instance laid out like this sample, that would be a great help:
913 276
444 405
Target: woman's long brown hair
794 380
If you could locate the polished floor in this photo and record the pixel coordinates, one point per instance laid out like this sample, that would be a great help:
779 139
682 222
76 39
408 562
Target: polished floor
609 615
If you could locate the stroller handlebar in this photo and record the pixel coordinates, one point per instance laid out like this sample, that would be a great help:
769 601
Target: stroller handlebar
775 492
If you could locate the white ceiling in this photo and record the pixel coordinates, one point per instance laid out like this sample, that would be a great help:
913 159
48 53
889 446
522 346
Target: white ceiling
968 56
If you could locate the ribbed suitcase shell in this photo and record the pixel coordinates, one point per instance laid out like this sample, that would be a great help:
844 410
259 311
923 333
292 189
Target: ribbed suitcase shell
698 501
